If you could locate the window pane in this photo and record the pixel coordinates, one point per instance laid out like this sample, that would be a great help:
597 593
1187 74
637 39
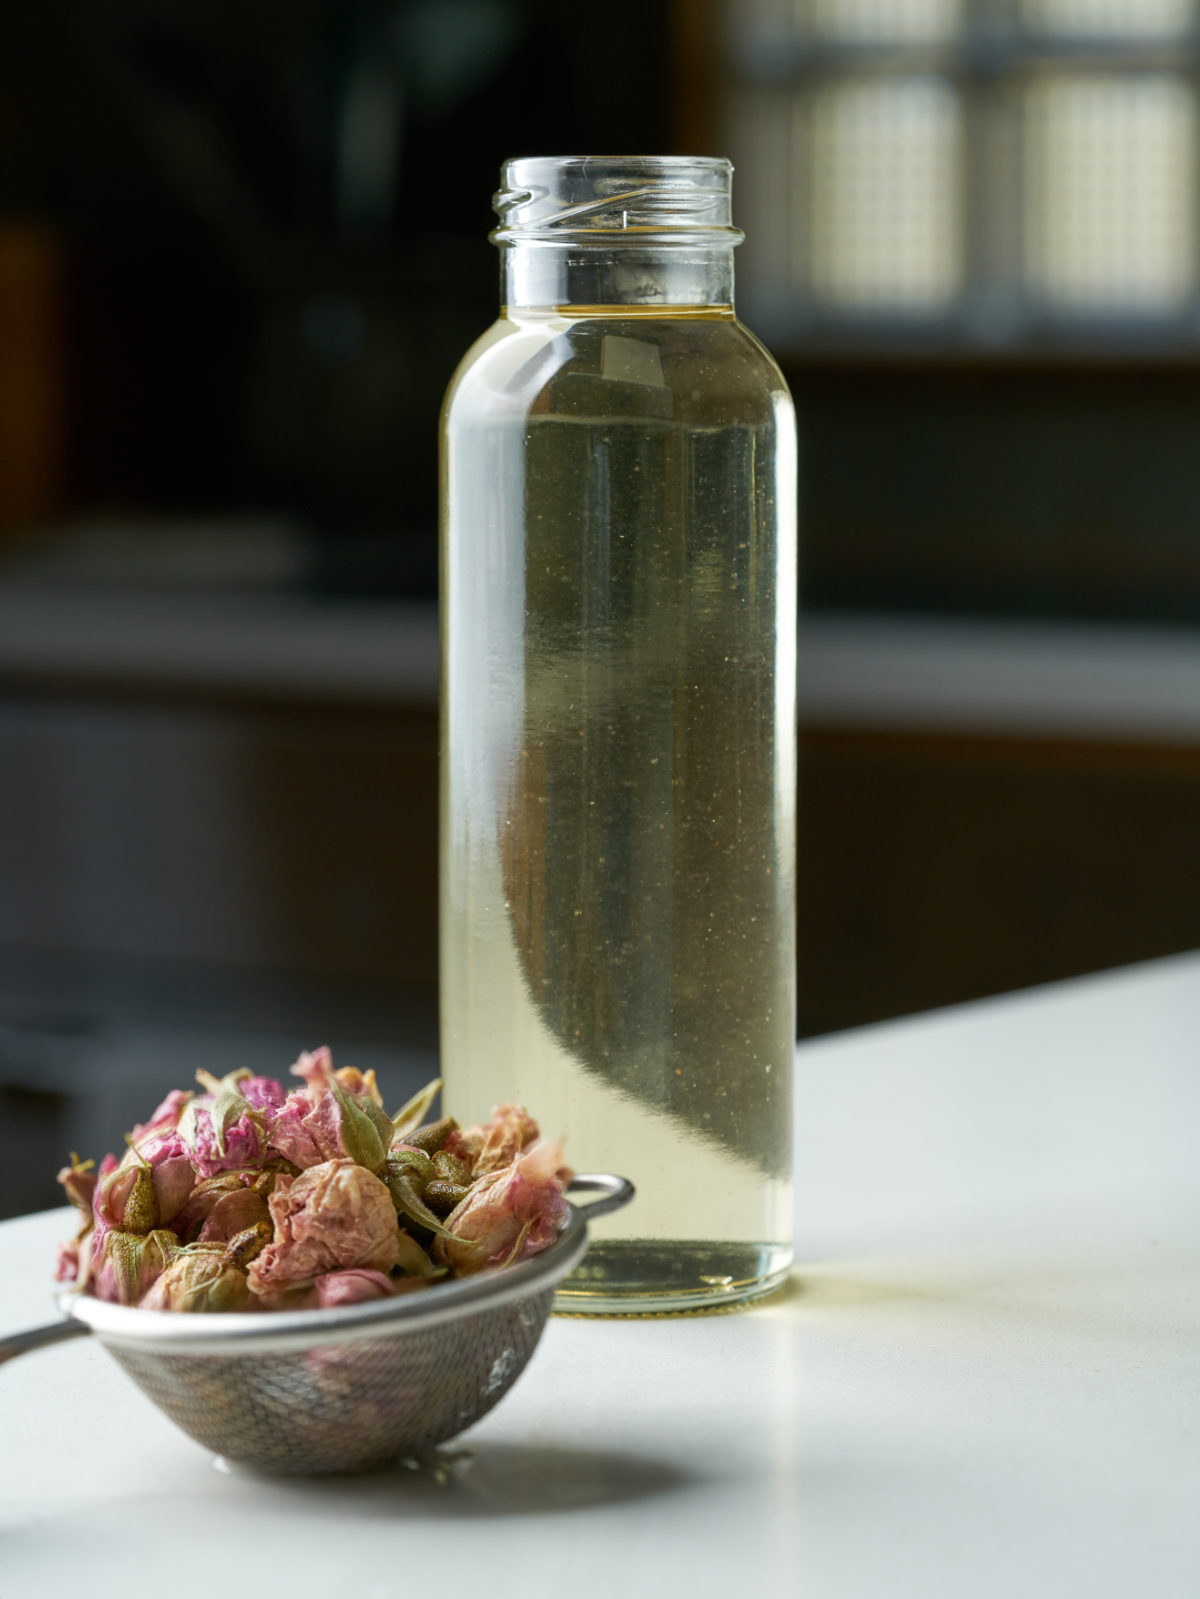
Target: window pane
886 219
883 21
1109 209
1130 17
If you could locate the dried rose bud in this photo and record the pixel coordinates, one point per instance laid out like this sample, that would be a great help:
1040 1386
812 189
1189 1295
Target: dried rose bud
199 1279
131 1263
362 1083
203 1200
327 1121
510 1131
222 1130
125 1197
233 1212
79 1181
333 1215
509 1214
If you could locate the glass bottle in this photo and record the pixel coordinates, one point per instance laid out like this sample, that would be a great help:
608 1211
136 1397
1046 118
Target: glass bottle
618 742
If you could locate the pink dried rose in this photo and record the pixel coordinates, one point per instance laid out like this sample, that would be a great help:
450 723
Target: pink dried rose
354 1287
333 1215
222 1130
204 1198
124 1198
79 1184
263 1093
247 1197
336 1115
66 1263
499 1141
509 1214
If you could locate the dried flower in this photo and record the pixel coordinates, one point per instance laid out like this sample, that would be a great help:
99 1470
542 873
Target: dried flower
79 1182
333 1215
131 1263
234 1210
511 1130
509 1214
66 1263
245 1196
199 1279
354 1287
337 1115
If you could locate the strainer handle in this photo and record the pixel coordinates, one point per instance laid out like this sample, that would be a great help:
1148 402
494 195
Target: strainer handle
617 1191
38 1337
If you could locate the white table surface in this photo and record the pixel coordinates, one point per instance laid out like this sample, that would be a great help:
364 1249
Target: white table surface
985 1382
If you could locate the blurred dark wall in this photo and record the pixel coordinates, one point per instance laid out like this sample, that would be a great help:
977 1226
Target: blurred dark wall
273 219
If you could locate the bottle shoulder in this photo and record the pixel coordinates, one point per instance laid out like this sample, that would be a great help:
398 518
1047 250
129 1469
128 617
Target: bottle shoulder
699 369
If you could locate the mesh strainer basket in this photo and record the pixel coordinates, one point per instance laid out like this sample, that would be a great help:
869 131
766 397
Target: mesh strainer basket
339 1389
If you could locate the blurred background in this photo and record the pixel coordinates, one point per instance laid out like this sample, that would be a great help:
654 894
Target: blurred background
242 247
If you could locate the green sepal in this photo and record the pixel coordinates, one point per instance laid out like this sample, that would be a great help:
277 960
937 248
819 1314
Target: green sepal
141 1205
362 1136
411 1114
414 1164
432 1137
130 1254
408 1204
414 1262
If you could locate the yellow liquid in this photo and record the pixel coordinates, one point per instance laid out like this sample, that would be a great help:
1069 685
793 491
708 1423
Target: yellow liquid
618 781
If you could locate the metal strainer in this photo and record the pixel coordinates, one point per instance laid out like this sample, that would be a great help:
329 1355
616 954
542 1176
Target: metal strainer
308 1391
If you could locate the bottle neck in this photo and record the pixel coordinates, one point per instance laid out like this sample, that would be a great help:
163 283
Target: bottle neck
539 275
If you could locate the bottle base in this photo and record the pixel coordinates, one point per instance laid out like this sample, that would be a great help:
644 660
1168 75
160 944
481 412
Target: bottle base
647 1277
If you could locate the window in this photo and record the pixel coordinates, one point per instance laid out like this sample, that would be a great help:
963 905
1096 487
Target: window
978 172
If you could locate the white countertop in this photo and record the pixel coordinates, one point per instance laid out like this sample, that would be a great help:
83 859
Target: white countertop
985 1383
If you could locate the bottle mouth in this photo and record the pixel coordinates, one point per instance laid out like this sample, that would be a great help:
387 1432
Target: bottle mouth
596 200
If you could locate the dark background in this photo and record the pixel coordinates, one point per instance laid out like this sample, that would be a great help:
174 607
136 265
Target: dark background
242 247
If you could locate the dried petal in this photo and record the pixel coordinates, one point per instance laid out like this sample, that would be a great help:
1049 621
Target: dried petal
354 1287
79 1181
233 1212
510 1131
509 1214
414 1111
333 1215
199 1279
66 1264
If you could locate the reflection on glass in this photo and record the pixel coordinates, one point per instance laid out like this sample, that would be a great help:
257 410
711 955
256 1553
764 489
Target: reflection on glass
1109 192
1108 17
886 192
881 21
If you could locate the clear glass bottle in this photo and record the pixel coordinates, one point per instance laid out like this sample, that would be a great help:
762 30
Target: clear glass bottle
618 745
